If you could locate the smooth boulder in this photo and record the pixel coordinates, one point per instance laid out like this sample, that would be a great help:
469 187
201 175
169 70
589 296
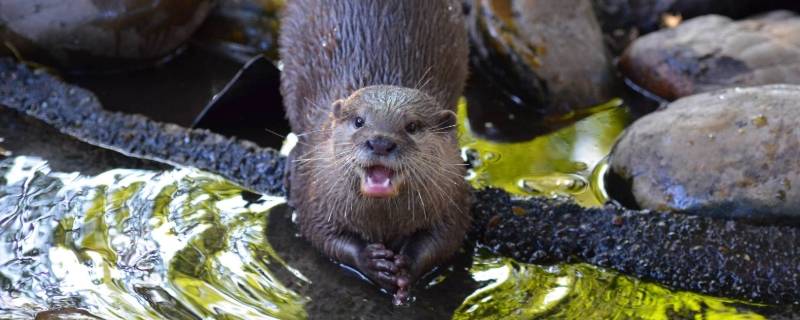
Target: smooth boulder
733 153
98 35
646 16
536 66
714 52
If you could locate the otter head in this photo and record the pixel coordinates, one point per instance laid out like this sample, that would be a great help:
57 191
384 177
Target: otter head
394 136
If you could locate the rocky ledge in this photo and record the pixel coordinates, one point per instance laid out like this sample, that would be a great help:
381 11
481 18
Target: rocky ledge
720 257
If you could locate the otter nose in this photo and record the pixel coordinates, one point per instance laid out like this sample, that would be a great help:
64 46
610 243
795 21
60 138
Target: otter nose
381 146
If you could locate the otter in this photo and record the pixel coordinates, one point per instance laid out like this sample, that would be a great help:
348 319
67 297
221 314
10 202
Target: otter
370 89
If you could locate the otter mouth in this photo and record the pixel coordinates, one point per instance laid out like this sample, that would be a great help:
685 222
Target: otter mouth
379 182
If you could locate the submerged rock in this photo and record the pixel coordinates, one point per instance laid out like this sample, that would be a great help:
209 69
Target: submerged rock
534 64
731 153
714 52
82 35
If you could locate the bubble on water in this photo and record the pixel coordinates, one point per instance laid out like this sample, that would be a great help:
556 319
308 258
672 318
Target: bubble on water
553 184
579 166
491 157
759 121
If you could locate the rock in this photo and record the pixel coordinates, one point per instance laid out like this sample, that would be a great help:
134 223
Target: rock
646 16
713 256
533 62
714 52
731 153
94 34
722 258
243 28
77 112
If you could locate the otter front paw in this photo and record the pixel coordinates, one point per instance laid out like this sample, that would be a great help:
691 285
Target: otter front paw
402 296
378 264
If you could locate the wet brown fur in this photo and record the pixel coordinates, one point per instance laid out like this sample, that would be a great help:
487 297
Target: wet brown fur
392 61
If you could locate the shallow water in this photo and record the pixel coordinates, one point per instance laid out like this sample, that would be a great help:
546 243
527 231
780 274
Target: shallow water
568 162
130 244
183 244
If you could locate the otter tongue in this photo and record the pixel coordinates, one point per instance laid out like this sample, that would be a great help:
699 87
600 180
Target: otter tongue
379 182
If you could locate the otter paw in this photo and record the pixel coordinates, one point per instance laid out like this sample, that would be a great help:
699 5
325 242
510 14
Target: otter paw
377 263
402 296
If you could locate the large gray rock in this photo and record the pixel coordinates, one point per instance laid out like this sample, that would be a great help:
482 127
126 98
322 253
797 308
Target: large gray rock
714 52
731 153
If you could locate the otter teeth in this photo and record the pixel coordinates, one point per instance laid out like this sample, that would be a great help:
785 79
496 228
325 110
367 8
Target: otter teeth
378 182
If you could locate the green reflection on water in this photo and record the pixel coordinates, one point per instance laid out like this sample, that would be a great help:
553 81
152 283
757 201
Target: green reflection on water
513 290
561 163
568 162
130 244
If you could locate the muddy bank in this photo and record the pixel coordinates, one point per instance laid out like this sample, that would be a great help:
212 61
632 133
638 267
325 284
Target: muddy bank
702 254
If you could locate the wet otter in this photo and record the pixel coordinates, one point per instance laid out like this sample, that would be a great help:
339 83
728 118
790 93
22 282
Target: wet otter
370 88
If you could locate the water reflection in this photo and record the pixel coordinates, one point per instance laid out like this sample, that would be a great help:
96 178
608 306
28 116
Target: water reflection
183 244
512 290
560 163
131 244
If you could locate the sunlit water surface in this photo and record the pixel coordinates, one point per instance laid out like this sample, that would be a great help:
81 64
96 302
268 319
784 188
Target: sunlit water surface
184 244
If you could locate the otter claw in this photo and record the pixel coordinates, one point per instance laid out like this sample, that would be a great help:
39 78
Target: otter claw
377 263
402 261
401 298
382 265
381 254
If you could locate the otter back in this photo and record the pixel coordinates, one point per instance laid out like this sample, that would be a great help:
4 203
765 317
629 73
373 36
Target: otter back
329 49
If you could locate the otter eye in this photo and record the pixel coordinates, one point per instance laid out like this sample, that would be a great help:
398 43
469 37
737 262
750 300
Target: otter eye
412 127
358 122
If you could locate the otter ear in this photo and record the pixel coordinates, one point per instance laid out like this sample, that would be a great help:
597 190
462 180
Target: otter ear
444 120
337 108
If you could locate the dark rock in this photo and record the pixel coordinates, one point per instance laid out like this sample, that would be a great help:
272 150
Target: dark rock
714 52
25 135
83 35
713 256
243 28
730 153
727 258
77 112
533 64
646 15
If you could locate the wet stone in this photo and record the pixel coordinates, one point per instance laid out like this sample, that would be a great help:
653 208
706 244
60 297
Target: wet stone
647 16
532 64
715 52
718 257
84 35
713 256
730 153
77 112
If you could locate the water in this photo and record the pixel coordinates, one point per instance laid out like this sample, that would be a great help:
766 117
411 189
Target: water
566 162
184 244
133 244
